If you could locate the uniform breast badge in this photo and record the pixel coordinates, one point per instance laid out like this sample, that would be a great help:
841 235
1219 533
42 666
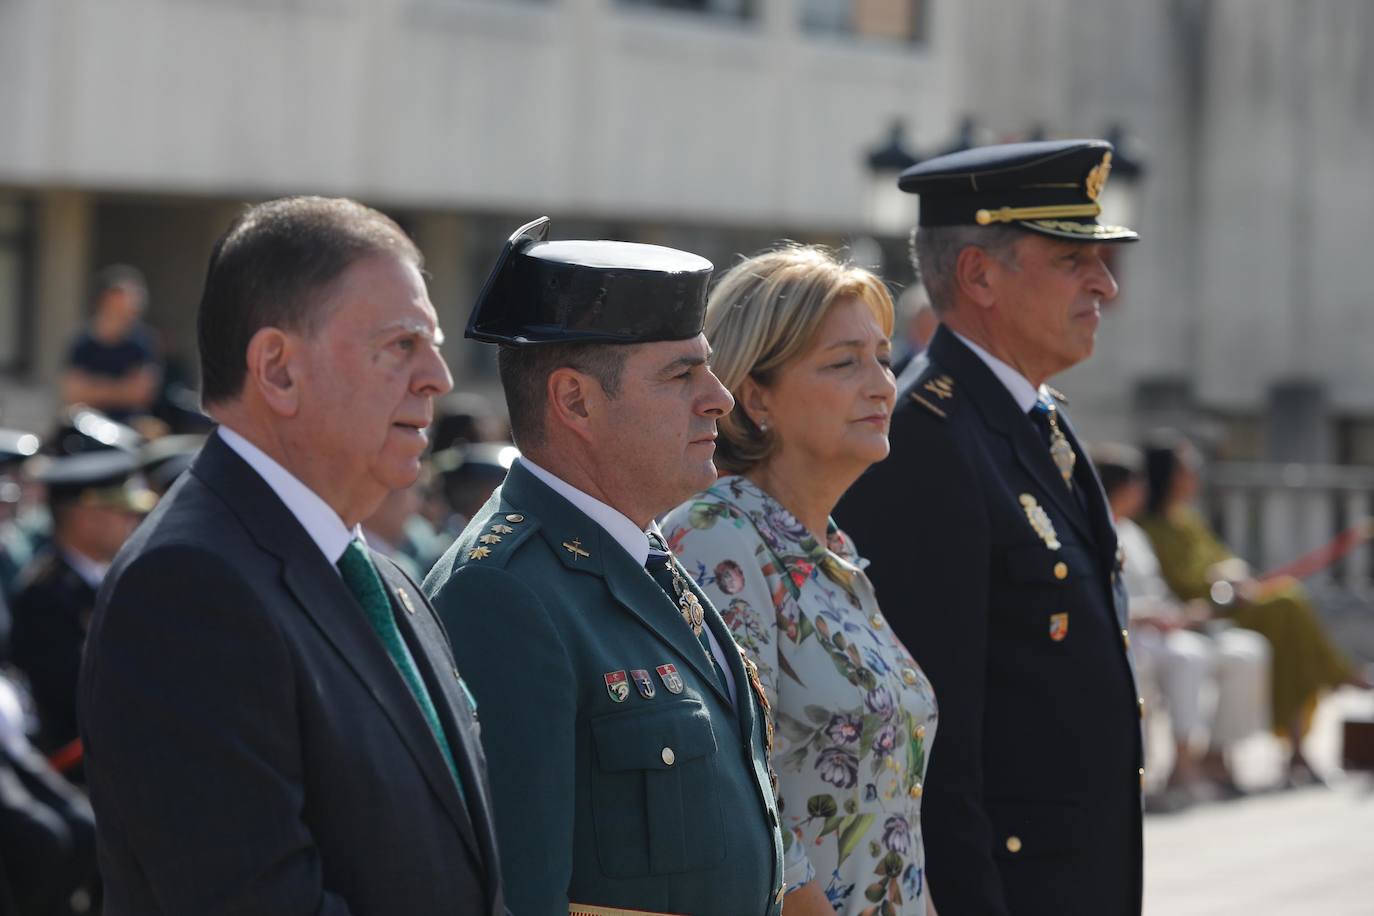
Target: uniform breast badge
642 681
671 679
1040 520
617 685
1059 626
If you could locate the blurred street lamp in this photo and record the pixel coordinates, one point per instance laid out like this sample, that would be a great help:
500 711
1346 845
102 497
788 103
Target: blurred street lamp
890 211
1120 199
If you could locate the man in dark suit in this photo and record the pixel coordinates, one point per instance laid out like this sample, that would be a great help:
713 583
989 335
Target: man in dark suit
627 740
272 718
993 551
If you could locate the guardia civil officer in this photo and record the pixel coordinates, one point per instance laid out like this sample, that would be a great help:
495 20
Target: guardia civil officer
626 742
993 550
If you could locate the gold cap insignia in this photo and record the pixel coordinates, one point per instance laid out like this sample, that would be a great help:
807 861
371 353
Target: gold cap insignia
1097 178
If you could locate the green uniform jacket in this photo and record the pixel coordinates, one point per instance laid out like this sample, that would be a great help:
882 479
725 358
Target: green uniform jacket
617 781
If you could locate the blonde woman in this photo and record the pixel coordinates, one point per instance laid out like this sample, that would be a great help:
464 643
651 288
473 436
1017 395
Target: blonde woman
801 341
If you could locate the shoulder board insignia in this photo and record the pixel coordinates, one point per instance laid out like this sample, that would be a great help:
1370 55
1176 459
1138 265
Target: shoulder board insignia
497 538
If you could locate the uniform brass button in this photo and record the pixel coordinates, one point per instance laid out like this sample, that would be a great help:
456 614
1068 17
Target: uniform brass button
1061 570
668 756
1013 844
1126 638
916 791
909 675
1140 704
1142 777
516 519
920 731
877 621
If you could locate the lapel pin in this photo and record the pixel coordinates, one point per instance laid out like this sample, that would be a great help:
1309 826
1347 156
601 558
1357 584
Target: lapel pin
575 548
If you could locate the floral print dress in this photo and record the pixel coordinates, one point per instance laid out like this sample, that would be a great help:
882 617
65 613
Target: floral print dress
854 715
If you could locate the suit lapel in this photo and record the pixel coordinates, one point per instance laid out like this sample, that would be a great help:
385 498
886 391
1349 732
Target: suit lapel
428 644
1004 415
1099 514
320 593
564 526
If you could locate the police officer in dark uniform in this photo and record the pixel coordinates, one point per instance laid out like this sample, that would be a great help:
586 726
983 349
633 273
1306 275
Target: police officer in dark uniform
993 550
626 737
96 499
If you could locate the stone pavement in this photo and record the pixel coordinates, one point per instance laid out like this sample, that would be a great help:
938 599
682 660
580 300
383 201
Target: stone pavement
1303 852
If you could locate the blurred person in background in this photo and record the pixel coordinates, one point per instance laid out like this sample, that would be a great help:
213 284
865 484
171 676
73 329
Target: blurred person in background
801 341
96 500
271 717
916 322
113 364
1187 665
466 475
993 550
388 530
17 543
1198 566
47 829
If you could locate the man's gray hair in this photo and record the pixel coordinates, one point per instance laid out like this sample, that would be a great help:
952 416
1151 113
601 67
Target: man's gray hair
935 251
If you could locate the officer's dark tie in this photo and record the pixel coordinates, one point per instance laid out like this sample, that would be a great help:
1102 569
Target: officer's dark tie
363 581
659 565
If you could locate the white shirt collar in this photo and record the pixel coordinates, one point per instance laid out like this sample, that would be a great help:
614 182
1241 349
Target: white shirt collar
316 516
623 531
1017 384
91 572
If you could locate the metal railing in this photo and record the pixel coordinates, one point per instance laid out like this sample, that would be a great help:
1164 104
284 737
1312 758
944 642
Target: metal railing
1271 514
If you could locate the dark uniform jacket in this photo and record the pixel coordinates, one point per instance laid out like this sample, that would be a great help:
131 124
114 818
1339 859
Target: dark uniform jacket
619 781
250 746
52 612
1004 587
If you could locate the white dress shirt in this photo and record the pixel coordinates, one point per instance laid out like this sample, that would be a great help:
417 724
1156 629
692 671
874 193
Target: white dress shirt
316 516
625 533
1017 384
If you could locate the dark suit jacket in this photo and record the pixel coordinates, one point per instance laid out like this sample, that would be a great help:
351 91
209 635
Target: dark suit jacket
250 747
655 797
1032 801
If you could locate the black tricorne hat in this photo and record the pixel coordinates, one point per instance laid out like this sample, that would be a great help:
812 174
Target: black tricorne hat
1049 187
589 292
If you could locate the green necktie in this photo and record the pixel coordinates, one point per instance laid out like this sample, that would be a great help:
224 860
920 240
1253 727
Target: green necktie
366 585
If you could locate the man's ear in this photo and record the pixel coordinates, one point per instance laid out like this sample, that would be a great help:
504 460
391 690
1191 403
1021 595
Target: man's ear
274 371
753 399
972 275
574 398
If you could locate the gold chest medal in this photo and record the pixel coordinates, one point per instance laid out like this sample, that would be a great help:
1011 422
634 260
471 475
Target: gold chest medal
1040 521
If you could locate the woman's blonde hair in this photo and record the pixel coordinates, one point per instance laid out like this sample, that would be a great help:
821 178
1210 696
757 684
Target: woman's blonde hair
763 313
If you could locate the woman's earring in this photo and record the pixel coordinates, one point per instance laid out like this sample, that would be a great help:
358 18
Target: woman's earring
763 426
